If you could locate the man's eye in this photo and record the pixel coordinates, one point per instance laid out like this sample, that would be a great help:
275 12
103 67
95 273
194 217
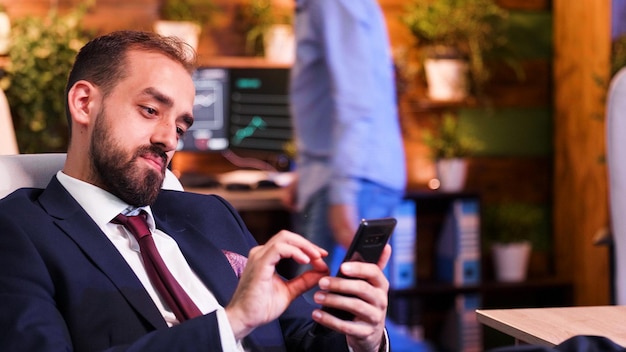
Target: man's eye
149 110
180 131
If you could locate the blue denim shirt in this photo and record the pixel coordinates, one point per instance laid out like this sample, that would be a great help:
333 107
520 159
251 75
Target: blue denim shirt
343 100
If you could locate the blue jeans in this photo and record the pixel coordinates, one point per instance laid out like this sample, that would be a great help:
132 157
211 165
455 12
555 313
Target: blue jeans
373 201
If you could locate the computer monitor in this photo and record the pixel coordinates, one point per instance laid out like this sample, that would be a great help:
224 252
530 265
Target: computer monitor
259 110
209 132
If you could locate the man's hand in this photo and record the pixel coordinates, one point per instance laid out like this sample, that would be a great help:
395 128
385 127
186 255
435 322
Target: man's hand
368 302
262 295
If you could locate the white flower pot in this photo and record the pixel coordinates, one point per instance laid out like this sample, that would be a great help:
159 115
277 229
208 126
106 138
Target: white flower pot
451 174
511 261
447 79
279 43
187 31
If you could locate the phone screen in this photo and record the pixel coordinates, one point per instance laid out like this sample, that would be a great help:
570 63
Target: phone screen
367 246
370 240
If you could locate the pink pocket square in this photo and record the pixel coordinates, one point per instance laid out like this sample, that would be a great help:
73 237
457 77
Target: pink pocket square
236 260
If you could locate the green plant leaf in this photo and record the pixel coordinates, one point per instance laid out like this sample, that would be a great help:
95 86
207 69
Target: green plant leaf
476 29
448 142
41 55
198 11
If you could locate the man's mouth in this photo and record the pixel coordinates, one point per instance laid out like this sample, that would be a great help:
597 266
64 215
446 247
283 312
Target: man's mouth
154 160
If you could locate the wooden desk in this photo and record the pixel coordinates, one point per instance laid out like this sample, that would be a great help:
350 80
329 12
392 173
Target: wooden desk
247 200
551 326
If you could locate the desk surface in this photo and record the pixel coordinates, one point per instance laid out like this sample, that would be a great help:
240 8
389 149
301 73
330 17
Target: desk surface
551 326
248 200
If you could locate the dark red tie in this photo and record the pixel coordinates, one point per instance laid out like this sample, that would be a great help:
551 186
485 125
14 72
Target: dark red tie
171 291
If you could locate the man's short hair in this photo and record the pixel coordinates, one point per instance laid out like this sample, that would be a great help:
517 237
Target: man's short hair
102 61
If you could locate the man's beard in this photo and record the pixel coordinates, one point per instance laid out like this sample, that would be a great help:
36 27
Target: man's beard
119 175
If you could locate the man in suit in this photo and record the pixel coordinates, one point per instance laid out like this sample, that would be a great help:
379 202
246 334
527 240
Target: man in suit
73 278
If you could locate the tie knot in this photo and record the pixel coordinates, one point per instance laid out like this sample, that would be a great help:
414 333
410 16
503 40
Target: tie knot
136 224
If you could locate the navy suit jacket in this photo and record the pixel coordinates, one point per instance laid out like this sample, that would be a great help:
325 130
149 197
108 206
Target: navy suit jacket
64 286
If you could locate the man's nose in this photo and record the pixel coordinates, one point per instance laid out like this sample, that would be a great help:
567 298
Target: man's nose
165 135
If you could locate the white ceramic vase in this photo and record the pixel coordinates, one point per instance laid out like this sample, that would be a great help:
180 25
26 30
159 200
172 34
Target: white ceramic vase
279 44
511 261
447 79
451 174
187 31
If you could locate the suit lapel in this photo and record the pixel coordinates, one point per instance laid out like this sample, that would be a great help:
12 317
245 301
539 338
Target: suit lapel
206 260
214 269
75 223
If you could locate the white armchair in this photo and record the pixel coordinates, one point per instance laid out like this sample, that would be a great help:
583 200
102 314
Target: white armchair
36 170
616 162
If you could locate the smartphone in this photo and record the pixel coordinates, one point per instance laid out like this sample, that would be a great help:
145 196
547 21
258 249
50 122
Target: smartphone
367 246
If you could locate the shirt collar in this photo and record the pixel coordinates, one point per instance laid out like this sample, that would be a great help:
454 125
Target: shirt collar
101 205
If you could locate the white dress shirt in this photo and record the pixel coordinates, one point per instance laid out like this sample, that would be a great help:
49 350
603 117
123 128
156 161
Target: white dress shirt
102 207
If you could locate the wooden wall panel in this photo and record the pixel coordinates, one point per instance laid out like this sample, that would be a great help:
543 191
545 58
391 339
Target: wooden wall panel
581 55
105 16
534 90
582 50
493 177
533 5
220 38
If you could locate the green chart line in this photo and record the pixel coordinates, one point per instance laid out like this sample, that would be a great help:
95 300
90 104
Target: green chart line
255 123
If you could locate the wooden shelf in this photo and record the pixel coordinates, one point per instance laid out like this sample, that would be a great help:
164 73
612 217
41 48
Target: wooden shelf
216 61
429 305
240 62
489 287
432 304
423 104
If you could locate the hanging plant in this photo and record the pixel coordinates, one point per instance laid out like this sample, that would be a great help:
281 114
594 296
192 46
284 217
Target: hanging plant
472 29
198 11
448 141
256 17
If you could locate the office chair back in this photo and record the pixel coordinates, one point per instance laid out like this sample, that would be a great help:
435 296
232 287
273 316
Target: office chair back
616 162
36 170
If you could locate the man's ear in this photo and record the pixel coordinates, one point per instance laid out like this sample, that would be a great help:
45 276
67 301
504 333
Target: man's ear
83 101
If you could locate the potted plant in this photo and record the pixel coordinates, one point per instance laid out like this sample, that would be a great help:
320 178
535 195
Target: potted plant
510 229
269 31
450 148
458 35
41 54
185 19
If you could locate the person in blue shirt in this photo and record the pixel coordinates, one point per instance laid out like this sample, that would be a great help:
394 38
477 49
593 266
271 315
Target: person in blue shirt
350 158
